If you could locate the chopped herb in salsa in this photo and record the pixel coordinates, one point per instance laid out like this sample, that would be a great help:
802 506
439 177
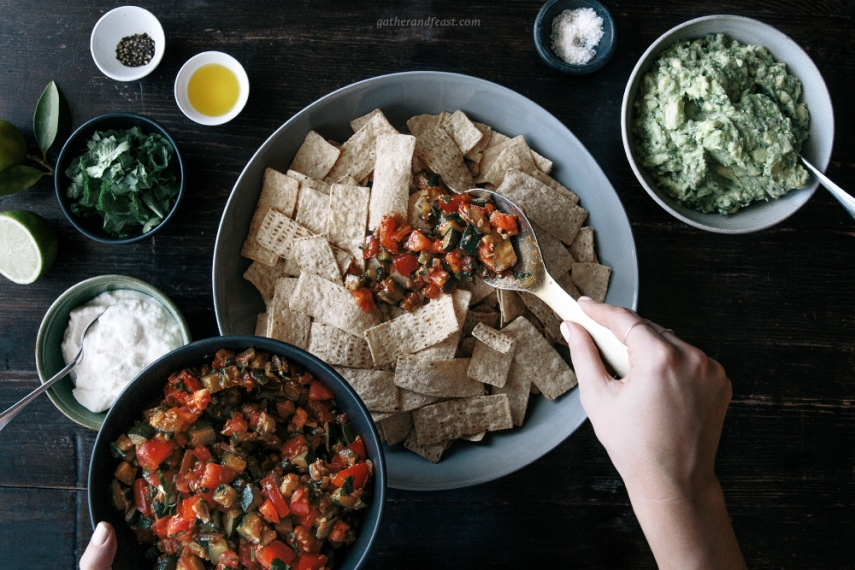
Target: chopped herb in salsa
405 266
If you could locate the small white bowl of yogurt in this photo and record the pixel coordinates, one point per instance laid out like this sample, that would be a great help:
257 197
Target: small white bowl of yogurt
141 324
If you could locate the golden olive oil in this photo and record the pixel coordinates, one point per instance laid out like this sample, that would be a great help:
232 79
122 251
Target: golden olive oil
213 90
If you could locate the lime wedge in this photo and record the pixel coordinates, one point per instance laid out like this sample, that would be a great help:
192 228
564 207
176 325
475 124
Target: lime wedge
27 246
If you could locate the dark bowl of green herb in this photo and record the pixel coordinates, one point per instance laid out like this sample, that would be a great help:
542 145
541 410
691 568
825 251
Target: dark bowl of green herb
119 178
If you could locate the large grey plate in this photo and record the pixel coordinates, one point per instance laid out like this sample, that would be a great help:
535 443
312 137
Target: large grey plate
401 96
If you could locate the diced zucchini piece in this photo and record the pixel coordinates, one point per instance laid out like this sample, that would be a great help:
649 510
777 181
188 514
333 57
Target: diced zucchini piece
212 382
191 562
225 495
266 424
450 239
470 240
124 443
504 256
121 495
233 462
250 527
230 519
159 509
166 563
126 473
201 433
202 511
140 433
217 547
251 498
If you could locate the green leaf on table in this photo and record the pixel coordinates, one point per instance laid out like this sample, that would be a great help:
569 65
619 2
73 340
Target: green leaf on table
18 177
46 118
13 145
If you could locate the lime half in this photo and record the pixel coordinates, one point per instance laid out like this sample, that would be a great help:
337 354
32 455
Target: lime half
27 246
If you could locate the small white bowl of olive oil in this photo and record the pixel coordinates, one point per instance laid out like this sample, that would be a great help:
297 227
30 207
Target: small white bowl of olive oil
211 88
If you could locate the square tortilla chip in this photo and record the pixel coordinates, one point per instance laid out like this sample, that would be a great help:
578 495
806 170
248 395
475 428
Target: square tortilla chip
550 209
316 156
283 289
392 177
332 304
540 361
497 160
278 232
261 324
264 276
358 153
315 255
360 122
285 323
463 132
278 192
494 339
592 279
432 453
452 419
489 365
510 306
473 318
582 248
339 348
343 259
543 164
317 185
312 210
446 349
476 152
547 317
479 289
558 260
517 388
413 400
348 215
440 378
439 152
421 123
397 427
424 327
376 388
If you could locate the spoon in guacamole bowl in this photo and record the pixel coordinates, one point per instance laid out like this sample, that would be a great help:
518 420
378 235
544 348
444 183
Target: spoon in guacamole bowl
7 416
841 195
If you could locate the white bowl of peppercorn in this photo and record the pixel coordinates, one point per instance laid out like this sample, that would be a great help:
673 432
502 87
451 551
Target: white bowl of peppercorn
127 43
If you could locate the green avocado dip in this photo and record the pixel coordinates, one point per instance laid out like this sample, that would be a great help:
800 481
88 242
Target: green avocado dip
718 125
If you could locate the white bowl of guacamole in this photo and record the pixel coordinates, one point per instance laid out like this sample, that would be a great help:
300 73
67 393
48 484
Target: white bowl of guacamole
712 117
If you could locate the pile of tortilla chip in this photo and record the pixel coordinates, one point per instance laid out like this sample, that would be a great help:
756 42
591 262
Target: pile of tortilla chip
463 364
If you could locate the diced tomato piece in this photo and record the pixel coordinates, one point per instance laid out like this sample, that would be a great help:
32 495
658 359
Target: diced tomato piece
202 454
235 425
418 242
485 254
185 520
386 233
449 204
370 247
300 417
323 409
142 500
339 531
216 474
506 222
318 391
285 408
364 299
199 400
438 276
229 559
312 562
151 478
252 413
405 263
431 291
152 452
276 549
160 527
308 520
300 502
268 511
271 490
222 357
454 259
294 446
246 555
359 472
359 447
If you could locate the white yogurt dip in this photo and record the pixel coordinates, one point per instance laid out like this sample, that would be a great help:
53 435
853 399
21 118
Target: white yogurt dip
133 333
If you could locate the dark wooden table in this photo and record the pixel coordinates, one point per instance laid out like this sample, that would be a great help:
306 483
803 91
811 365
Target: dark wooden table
776 307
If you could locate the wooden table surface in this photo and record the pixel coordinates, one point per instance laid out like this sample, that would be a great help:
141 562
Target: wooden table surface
775 307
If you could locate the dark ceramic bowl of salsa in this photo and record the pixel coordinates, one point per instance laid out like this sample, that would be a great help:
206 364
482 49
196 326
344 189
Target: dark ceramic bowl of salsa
147 389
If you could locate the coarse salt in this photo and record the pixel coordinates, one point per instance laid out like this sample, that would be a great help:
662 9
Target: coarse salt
575 34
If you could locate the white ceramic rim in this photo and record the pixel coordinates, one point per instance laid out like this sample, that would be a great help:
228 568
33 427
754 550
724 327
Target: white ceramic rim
670 205
183 78
133 73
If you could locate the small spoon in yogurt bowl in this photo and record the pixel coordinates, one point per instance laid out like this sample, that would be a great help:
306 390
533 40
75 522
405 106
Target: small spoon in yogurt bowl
7 416
530 275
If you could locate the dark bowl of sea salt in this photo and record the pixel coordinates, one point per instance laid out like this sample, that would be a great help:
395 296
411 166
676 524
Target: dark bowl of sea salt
574 36
127 43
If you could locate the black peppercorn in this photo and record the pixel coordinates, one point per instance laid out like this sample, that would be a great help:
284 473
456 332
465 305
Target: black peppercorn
135 50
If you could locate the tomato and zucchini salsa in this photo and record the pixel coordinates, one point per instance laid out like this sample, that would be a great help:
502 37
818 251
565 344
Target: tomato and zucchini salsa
405 266
246 463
